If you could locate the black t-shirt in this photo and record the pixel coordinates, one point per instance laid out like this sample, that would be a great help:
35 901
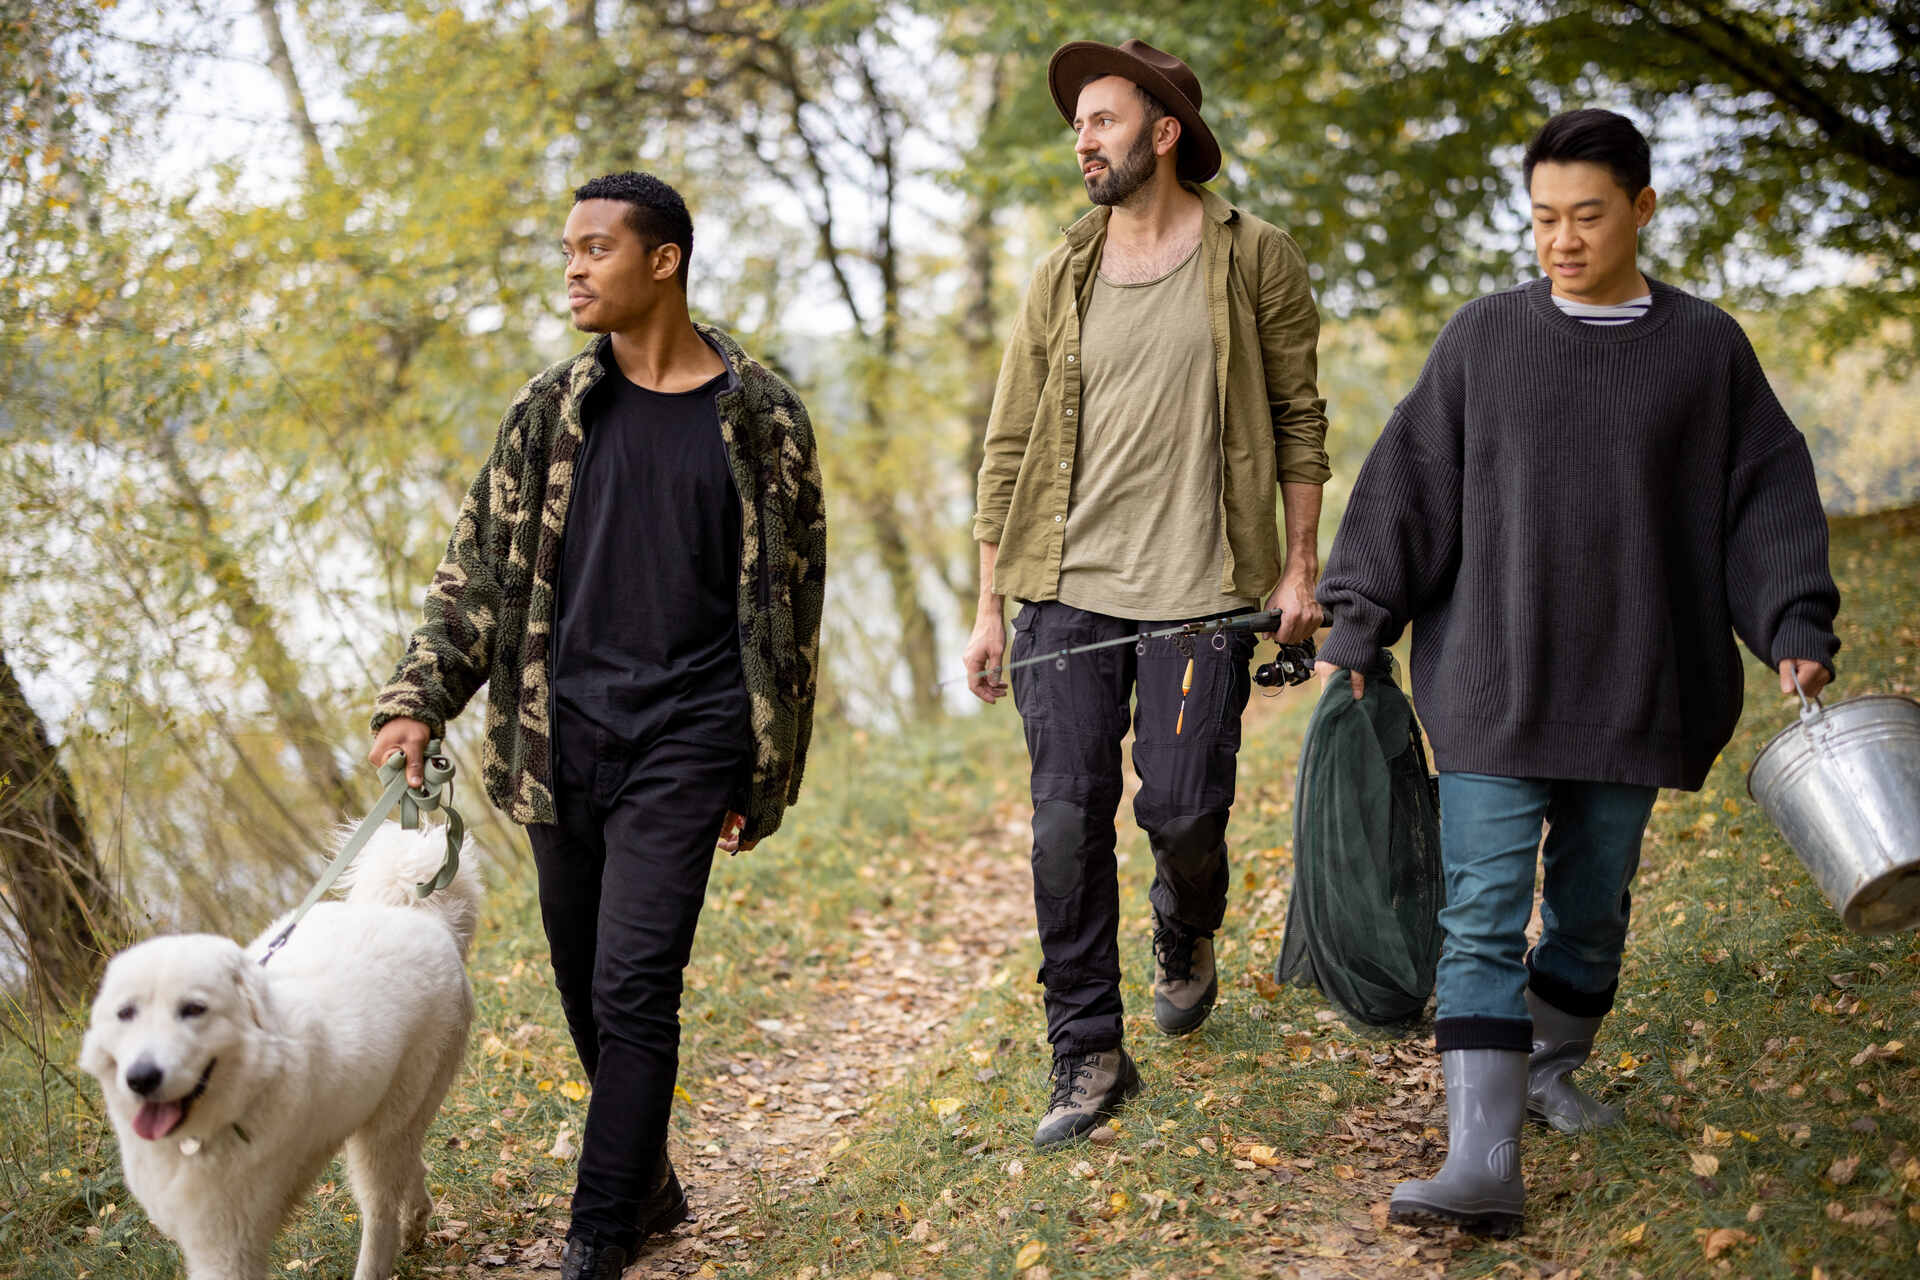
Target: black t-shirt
646 635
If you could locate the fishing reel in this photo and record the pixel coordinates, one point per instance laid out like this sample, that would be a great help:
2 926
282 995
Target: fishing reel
1292 665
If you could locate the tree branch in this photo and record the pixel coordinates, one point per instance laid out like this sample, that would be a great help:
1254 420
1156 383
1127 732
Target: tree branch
1767 67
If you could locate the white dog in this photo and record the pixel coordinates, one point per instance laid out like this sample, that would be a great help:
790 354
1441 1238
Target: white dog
231 1085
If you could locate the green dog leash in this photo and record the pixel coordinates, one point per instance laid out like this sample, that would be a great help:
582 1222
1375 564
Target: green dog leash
436 792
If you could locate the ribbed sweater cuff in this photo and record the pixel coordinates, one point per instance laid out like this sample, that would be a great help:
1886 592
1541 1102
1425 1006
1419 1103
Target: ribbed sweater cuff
1798 638
1351 647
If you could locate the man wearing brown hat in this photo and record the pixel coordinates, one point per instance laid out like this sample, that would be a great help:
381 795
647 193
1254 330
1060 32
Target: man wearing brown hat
1158 384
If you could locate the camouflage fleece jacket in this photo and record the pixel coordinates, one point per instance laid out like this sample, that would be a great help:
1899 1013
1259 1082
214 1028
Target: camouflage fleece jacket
489 610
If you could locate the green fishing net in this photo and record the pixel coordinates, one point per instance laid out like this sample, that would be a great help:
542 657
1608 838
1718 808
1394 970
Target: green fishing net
1362 921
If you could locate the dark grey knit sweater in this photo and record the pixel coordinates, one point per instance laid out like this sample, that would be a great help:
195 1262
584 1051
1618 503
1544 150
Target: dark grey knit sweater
1574 519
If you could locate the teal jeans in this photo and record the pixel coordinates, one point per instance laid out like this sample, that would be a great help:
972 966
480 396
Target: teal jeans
1490 830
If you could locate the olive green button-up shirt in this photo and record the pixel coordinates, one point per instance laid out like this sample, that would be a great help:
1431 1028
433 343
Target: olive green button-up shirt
1273 423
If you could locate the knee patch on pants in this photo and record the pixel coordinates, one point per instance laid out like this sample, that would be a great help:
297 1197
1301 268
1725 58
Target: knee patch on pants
1059 831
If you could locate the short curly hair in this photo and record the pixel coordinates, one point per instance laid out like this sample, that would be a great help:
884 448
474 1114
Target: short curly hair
654 210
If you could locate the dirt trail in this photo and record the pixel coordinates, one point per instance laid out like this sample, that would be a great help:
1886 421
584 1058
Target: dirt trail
764 1127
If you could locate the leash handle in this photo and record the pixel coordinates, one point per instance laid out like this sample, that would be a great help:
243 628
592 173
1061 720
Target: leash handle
436 792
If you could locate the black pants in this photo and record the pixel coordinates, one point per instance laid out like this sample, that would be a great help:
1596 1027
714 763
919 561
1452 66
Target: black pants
1075 718
622 877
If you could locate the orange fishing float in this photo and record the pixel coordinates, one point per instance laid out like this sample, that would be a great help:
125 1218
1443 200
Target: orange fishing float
1186 687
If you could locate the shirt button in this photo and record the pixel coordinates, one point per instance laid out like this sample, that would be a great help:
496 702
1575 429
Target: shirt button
1058 519
1071 359
1069 413
1063 466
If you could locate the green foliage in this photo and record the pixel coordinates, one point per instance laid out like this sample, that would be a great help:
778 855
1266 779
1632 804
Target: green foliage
1386 137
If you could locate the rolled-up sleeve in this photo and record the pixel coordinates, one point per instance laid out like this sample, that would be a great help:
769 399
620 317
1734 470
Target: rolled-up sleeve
1289 325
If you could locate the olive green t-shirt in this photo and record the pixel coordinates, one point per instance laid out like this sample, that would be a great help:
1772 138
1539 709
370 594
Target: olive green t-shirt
1143 537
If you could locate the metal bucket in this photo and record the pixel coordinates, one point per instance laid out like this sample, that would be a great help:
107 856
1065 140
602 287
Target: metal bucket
1843 786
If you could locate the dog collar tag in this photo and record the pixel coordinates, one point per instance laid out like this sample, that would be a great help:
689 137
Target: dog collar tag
189 1146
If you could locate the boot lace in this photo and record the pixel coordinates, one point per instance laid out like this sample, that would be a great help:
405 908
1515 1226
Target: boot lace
1173 949
1068 1068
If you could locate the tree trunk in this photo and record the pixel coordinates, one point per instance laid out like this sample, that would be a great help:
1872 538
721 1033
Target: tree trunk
918 638
299 722
282 64
584 18
981 244
64 908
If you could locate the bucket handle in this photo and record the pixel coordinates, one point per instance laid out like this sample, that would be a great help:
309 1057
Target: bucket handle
1810 708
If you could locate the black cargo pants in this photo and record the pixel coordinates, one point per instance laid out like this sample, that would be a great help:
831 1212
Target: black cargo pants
623 875
1076 715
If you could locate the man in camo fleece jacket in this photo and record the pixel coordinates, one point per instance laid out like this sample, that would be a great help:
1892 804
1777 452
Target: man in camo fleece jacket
638 572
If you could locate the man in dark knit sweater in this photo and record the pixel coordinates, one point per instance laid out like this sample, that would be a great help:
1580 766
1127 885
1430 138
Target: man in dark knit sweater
1588 491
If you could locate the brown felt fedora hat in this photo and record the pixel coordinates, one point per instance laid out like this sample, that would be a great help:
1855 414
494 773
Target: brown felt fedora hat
1160 74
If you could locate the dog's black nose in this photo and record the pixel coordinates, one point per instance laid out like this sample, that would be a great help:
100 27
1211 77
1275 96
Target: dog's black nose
144 1076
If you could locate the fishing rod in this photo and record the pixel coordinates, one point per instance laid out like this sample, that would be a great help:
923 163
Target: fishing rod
1292 665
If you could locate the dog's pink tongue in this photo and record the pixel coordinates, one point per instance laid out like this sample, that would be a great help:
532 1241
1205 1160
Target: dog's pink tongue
158 1119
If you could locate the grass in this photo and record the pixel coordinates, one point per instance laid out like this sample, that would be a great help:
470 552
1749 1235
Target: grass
1769 1133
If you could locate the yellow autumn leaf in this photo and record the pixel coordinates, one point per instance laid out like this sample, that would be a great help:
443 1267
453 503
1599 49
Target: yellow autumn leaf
683 1095
1634 1234
1705 1165
1712 1137
838 1147
1627 1061
1030 1254
573 1089
1710 996
1264 1156
944 1107
1118 1202
545 1086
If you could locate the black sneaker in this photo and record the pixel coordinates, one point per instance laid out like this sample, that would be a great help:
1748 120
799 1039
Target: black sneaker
1185 983
585 1260
666 1205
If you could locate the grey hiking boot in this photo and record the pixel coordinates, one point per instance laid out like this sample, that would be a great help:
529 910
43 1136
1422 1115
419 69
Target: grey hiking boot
1184 981
1561 1042
1479 1188
1086 1088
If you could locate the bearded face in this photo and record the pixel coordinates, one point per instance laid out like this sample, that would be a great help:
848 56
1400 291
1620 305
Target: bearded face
1112 182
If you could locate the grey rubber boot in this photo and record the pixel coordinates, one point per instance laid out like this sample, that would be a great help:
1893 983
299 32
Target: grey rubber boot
1561 1042
1479 1188
1185 984
1086 1088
